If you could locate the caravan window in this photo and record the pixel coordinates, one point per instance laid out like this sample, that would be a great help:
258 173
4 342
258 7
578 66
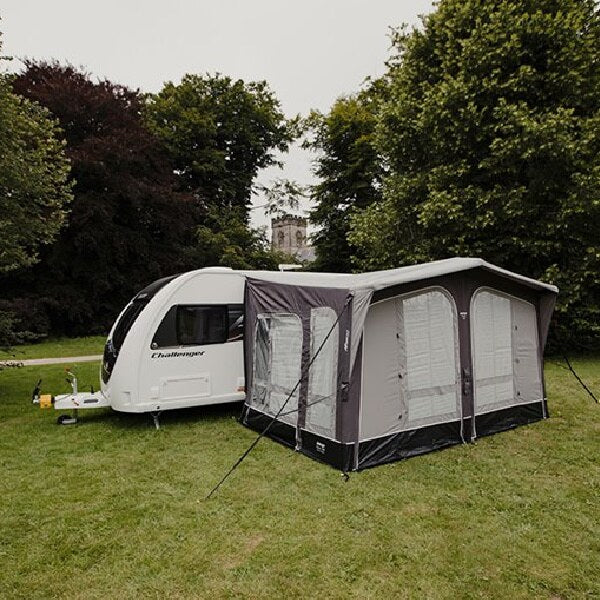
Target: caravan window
200 325
236 323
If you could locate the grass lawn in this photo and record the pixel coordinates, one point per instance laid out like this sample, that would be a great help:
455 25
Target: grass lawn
51 348
111 508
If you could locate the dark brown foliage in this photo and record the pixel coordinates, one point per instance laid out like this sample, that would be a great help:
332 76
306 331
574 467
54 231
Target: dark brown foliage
127 224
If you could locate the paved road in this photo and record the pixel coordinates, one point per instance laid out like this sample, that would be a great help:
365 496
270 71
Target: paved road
52 361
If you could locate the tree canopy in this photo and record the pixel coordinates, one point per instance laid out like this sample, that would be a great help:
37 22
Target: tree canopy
145 204
482 138
224 239
349 170
219 132
490 141
34 188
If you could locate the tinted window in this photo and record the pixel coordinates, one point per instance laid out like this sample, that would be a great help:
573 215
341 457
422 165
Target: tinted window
236 323
198 325
166 334
132 312
124 324
149 291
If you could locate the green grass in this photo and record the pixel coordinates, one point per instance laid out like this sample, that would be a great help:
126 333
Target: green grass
111 508
57 347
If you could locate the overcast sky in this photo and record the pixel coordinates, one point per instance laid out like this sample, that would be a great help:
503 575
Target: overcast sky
310 51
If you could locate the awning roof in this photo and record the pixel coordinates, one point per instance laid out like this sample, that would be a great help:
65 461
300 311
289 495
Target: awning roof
378 280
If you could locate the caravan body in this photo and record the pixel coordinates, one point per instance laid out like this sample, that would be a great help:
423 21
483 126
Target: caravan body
178 343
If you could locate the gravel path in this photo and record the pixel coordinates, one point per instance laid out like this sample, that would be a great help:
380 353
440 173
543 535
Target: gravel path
52 361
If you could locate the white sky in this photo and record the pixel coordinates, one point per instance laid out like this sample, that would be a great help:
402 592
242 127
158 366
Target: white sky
310 51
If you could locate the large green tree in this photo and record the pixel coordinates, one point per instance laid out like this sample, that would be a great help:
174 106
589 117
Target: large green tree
35 190
491 145
349 170
219 132
225 239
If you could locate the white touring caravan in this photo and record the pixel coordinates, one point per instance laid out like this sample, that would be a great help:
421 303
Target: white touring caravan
177 344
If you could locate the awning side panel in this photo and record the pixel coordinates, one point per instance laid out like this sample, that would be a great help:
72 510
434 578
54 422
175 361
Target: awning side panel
507 358
266 299
411 364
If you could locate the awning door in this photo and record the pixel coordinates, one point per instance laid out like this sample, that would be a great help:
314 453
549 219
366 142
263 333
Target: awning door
505 346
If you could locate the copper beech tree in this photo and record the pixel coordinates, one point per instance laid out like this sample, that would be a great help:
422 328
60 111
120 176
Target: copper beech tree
127 224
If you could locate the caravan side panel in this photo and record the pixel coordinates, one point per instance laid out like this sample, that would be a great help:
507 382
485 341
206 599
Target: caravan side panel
188 362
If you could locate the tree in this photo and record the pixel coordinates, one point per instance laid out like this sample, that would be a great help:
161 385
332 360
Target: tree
224 239
219 132
491 140
34 187
281 195
127 225
349 169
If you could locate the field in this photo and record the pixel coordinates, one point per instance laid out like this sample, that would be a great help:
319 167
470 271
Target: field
112 508
86 346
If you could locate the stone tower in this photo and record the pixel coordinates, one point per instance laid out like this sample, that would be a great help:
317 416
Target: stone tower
289 234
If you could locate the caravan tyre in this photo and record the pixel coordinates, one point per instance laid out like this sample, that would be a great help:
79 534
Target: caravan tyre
66 420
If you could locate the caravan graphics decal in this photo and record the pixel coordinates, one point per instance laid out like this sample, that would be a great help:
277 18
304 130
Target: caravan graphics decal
176 354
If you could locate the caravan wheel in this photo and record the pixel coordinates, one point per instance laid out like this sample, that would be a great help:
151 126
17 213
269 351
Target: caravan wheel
66 420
